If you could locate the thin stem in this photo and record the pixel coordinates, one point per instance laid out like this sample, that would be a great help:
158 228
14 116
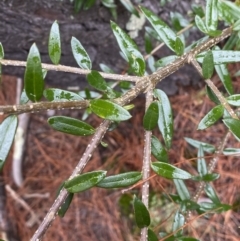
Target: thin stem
215 90
78 169
146 164
68 69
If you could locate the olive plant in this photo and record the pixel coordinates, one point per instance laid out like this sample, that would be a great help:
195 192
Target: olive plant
114 106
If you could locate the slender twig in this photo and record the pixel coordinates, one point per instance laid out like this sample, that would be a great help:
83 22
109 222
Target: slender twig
68 69
78 169
146 164
143 85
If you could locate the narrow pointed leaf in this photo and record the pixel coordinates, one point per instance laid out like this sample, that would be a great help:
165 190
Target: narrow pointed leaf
150 118
84 181
142 216
165 61
152 236
109 110
129 49
216 208
200 24
224 76
198 10
33 78
234 100
164 31
158 151
179 46
206 147
88 4
211 15
7 133
181 189
231 151
211 117
53 94
54 44
201 163
208 65
153 33
80 54
206 178
229 11
189 205
233 125
23 99
212 96
70 126
187 239
148 43
169 171
120 180
178 222
211 194
98 82
1 51
105 68
109 3
129 6
165 120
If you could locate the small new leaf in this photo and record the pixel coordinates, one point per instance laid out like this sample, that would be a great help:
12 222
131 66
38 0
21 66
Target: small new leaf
233 125
84 181
211 117
70 126
54 43
206 147
53 94
142 216
33 78
152 236
120 180
169 171
109 110
7 133
80 54
150 118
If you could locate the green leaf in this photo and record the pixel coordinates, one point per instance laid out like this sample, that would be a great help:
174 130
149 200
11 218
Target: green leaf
152 32
179 46
178 21
178 222
109 110
33 78
53 94
54 44
165 61
212 95
206 178
129 6
109 3
206 147
233 125
234 100
142 216
80 54
77 5
98 82
208 65
84 181
64 207
198 10
152 236
211 15
164 31
211 117
200 24
231 42
150 118
1 51
151 63
88 4
158 151
165 120
7 132
201 163
23 99
217 208
211 193
70 126
130 50
236 25
231 151
169 171
187 239
148 43
181 189
120 180
228 11
222 56
189 205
